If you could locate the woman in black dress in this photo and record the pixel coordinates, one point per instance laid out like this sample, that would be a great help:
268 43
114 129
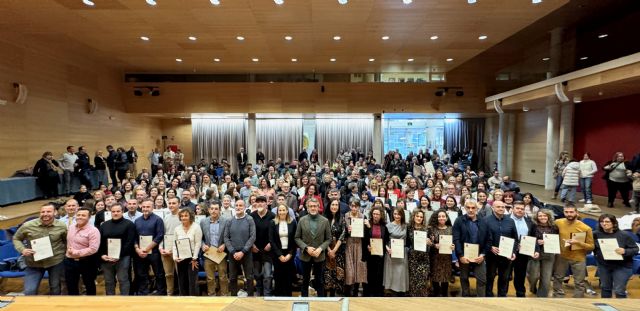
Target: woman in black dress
47 170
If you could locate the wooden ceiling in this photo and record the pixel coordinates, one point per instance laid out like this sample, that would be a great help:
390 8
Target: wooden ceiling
111 31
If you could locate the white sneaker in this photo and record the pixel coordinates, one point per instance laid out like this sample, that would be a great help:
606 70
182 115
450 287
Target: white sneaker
591 292
588 201
581 200
242 293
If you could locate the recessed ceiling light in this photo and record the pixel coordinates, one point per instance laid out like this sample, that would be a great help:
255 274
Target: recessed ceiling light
385 37
279 2
449 59
471 1
294 60
179 60
332 60
584 58
343 2
434 38
410 59
337 38
536 1
372 59
144 38
255 60
482 37
240 38
151 2
88 2
407 1
602 36
217 60
546 59
215 2
192 38
288 38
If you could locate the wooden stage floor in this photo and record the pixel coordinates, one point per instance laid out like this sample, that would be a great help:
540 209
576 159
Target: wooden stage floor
46 303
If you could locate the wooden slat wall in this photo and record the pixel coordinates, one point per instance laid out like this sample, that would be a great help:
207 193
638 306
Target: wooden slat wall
178 132
530 146
55 113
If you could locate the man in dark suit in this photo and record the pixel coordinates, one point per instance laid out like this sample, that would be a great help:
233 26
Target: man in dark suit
213 230
470 229
313 236
524 226
242 159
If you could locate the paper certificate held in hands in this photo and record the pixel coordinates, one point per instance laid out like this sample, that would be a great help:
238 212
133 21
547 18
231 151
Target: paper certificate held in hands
215 256
167 242
113 248
42 248
357 227
159 213
107 216
183 247
506 247
608 248
376 247
452 216
199 218
411 206
445 242
551 243
528 245
420 240
397 248
435 205
580 237
394 199
471 251
145 241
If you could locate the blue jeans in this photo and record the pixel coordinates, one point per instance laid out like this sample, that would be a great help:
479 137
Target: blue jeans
120 271
614 279
568 191
585 185
559 180
67 180
33 277
263 274
102 178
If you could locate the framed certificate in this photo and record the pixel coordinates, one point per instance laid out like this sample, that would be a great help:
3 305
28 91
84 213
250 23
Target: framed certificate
183 248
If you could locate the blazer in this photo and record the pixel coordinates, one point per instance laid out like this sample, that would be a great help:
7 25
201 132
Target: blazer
276 245
205 226
366 241
461 235
305 238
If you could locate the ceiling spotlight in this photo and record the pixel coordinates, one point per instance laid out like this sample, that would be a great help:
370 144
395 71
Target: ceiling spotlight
449 59
332 60
602 36
536 1
192 38
255 60
294 60
471 1
240 38
144 38
337 38
151 2
482 37
407 1
385 37
288 38
525 108
279 2
88 2
372 59
215 2
343 2
577 99
434 38
410 59
217 60
545 59
179 60
584 58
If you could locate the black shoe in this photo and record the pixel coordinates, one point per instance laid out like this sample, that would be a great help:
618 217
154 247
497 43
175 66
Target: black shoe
610 205
627 205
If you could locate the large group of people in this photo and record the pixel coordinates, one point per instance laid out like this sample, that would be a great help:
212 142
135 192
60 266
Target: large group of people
346 227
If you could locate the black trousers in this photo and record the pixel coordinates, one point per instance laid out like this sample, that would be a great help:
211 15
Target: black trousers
114 180
141 270
502 267
187 278
375 274
318 277
283 273
87 268
520 274
614 187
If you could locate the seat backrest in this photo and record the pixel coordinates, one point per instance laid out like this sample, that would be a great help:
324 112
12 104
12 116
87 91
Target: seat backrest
591 223
8 251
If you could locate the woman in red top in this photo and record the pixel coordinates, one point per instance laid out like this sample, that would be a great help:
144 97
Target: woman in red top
311 192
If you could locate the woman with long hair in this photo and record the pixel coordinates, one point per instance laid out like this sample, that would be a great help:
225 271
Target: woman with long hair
439 225
418 260
282 238
396 273
335 263
375 228
541 268
617 172
311 193
355 268
48 170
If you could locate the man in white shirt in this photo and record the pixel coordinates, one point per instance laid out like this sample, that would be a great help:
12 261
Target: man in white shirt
171 221
68 163
495 181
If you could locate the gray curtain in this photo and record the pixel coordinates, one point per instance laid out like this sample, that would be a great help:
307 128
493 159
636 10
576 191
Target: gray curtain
464 134
218 138
333 135
279 138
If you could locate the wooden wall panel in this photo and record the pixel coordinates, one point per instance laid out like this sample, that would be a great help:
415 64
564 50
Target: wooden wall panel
530 147
55 113
178 132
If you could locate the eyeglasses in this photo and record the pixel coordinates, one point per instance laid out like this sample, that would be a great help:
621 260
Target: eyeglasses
606 221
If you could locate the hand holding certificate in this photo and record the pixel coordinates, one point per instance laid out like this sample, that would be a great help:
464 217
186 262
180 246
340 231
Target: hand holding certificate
580 237
145 241
527 245
471 251
506 247
420 240
42 248
608 248
183 248
394 199
445 242
113 248
167 242
411 206
397 248
376 247
551 243
215 256
357 227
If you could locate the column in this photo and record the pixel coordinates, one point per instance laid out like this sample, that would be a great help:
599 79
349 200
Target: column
377 138
503 129
553 143
511 142
252 146
566 127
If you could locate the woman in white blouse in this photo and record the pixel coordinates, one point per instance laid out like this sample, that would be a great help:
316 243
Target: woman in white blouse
282 238
186 255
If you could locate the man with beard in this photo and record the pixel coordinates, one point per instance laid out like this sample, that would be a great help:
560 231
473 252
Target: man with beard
262 264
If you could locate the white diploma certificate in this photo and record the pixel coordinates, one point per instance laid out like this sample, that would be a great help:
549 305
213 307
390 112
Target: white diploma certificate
506 247
471 251
113 248
167 242
357 227
272 182
420 240
445 241
452 216
159 213
528 245
608 248
183 247
551 243
411 206
301 192
435 205
397 248
394 199
199 218
427 216
42 248
107 216
376 247
145 241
